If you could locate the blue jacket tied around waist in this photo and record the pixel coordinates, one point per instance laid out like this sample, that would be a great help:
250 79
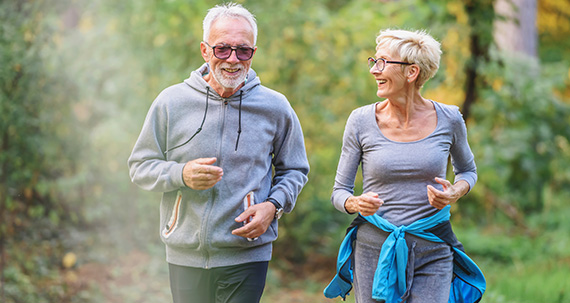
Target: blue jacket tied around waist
468 284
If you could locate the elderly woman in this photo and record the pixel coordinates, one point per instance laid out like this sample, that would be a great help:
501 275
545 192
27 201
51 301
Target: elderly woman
401 248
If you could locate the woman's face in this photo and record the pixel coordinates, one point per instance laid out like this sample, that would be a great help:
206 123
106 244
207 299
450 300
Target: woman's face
392 80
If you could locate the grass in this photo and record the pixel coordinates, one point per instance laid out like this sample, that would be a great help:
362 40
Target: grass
521 268
543 281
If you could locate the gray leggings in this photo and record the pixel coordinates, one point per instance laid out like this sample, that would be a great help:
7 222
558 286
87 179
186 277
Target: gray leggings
433 266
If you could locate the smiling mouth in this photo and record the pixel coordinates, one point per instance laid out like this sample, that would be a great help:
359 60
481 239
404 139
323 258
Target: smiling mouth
231 70
381 81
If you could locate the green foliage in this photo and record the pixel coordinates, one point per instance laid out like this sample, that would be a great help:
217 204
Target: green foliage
520 132
519 268
35 106
39 144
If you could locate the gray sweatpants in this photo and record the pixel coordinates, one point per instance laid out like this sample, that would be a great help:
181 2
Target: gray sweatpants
430 279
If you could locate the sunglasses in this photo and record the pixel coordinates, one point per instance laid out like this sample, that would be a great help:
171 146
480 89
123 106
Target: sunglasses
222 52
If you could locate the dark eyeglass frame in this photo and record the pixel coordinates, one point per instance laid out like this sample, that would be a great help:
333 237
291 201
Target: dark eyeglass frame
239 50
370 60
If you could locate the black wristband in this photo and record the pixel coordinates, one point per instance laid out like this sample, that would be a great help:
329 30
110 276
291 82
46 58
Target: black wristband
274 202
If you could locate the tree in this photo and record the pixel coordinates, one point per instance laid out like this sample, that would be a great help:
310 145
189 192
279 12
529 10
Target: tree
481 17
515 29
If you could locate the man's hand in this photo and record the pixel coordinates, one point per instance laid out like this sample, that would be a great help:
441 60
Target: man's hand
366 204
450 194
200 174
262 215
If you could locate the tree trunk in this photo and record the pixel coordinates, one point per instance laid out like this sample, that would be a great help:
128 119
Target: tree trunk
481 15
517 32
471 75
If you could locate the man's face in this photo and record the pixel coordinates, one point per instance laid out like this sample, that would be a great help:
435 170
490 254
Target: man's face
228 74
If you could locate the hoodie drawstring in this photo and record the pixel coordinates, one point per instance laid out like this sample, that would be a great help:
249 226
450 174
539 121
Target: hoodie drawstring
204 119
239 121
199 128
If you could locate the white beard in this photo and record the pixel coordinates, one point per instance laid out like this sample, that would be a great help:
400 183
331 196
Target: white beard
230 82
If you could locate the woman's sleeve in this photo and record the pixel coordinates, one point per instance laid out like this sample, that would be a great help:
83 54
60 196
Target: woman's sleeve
350 158
462 157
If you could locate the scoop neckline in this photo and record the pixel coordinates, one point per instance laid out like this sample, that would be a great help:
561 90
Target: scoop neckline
406 142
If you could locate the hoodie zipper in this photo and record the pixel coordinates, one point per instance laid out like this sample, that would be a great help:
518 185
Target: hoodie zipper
205 230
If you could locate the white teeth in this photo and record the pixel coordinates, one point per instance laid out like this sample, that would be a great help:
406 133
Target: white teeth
381 81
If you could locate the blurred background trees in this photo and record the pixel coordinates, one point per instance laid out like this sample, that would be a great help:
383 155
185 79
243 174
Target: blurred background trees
77 78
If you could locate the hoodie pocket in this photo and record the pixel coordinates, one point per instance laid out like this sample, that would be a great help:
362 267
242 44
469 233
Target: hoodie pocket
248 202
174 217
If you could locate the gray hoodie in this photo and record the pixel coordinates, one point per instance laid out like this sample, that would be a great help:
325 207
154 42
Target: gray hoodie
267 158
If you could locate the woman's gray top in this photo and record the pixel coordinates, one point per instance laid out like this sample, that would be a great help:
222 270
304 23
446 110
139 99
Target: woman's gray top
400 171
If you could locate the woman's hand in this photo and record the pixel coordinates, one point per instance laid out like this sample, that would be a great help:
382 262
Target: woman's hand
366 204
450 194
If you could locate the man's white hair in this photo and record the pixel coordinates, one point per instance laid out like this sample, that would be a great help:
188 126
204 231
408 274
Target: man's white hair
231 10
416 47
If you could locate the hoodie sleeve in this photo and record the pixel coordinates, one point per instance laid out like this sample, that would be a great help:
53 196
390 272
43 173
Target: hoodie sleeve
290 163
148 166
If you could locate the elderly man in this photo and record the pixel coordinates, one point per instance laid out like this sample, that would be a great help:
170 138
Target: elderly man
228 155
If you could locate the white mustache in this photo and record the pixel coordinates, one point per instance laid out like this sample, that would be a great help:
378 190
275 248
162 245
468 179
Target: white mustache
230 66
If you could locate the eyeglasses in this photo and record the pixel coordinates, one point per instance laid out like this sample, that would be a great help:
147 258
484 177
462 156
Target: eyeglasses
243 53
380 63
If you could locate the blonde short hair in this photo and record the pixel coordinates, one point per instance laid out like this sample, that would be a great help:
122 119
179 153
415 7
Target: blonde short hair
416 47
